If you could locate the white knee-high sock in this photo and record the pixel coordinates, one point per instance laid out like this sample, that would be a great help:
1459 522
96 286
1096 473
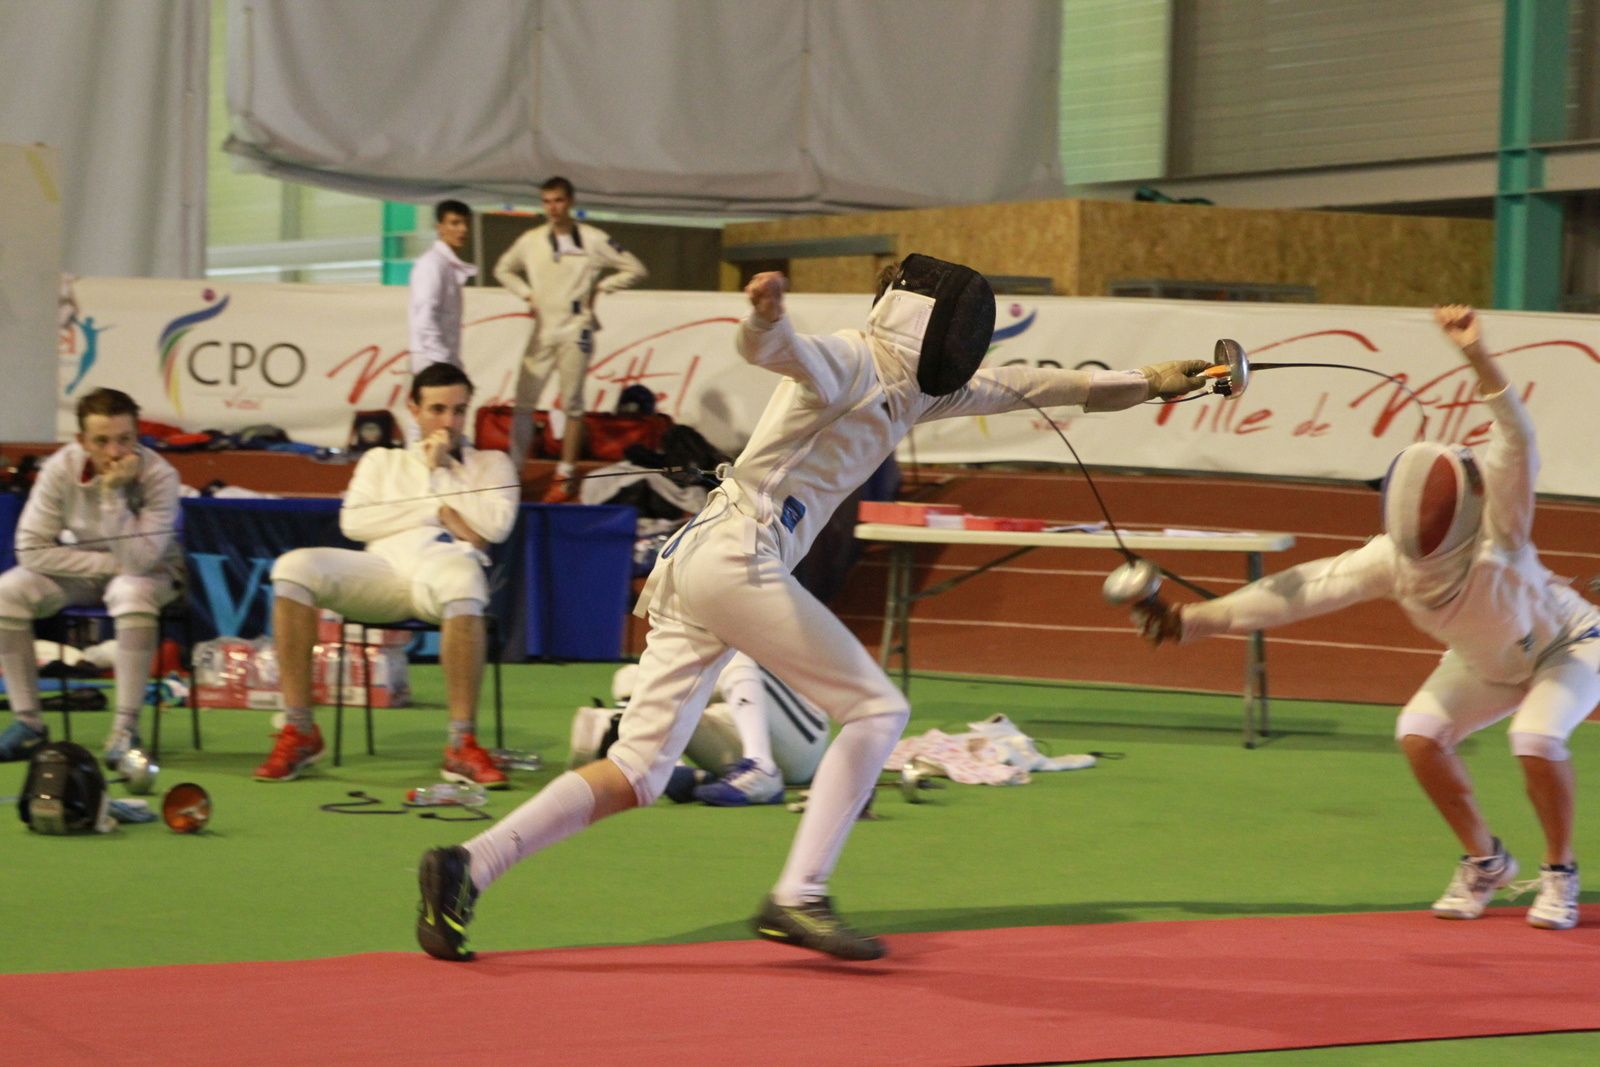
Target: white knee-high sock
136 646
555 813
21 669
747 703
845 779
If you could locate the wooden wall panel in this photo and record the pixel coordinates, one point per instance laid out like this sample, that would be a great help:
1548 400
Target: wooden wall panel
1035 238
1085 245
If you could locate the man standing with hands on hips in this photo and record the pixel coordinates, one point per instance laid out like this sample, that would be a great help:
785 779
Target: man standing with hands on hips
436 280
557 269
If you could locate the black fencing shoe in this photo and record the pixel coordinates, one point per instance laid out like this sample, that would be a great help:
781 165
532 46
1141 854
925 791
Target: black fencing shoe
447 898
812 924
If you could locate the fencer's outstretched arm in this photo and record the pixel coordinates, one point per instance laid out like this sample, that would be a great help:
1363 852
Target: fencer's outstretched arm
1317 587
767 339
1511 462
994 390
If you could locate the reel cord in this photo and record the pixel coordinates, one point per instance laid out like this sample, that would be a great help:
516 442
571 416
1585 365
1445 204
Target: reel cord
1127 553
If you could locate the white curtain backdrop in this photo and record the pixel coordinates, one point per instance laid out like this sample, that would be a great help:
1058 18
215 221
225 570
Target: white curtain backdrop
119 90
715 105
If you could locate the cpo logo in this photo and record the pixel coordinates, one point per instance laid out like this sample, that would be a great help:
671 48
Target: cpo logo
223 364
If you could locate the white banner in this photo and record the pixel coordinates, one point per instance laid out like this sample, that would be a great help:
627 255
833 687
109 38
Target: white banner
307 357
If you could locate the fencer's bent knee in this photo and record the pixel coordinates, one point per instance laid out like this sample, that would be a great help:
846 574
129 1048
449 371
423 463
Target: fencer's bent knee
133 594
1542 746
886 704
455 577
1435 728
298 567
22 592
647 789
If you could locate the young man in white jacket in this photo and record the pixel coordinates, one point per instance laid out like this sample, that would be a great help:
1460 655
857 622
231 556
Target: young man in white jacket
99 526
724 582
1457 556
428 514
557 268
436 280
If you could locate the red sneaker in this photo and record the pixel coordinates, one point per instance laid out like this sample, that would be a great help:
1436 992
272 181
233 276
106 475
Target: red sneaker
559 492
470 765
293 753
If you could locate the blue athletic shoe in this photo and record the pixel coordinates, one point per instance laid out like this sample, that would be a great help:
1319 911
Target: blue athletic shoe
746 783
18 741
683 782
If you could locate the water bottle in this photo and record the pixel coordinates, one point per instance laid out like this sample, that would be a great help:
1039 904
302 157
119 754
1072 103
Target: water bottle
446 794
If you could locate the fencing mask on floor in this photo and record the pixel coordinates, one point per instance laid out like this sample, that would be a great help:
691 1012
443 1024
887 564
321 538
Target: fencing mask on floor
65 792
942 313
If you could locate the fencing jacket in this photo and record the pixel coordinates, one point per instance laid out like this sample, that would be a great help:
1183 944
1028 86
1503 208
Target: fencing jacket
562 284
69 505
393 501
436 280
1507 614
846 400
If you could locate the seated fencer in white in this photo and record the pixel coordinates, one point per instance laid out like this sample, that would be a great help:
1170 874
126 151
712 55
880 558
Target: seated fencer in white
725 583
99 527
427 514
1456 554
755 737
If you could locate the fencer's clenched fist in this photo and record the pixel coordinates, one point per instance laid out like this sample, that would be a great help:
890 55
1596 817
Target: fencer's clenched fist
766 294
436 448
120 471
1159 621
1174 378
1459 322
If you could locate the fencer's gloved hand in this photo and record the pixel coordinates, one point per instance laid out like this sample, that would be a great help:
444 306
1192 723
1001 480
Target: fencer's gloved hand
1174 378
1158 621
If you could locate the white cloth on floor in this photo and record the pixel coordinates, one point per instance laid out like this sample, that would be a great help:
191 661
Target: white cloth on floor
993 752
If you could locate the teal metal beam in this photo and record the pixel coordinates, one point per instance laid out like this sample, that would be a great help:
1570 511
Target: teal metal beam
399 222
1528 221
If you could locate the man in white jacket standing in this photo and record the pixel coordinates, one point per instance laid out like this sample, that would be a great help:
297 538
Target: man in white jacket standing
844 401
436 280
1457 555
557 269
428 514
99 526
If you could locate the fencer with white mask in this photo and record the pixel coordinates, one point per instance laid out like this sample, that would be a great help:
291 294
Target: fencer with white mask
844 402
1456 554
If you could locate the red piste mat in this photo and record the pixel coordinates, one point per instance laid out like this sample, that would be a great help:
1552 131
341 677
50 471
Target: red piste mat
1021 995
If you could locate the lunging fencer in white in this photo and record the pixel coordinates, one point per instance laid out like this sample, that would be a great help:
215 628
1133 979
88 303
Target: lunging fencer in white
724 583
1456 554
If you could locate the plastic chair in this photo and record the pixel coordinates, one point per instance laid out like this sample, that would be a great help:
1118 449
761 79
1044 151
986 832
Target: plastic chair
79 617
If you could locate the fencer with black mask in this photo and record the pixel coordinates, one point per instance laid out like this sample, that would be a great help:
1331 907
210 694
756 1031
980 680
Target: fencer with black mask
1457 555
844 403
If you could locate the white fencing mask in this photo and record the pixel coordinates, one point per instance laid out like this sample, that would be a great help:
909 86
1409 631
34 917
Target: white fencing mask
1432 500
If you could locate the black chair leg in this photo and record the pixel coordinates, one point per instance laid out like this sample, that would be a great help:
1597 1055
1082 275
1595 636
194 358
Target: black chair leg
366 667
499 705
188 657
338 706
61 690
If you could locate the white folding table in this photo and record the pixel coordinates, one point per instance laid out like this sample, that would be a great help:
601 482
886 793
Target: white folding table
903 539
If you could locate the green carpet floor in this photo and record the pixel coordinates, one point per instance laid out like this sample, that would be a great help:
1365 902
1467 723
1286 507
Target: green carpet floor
1186 824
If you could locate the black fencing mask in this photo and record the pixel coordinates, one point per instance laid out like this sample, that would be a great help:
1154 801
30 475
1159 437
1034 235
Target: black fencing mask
949 328
65 791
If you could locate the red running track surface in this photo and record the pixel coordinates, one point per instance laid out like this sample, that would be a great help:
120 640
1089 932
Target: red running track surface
1025 995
